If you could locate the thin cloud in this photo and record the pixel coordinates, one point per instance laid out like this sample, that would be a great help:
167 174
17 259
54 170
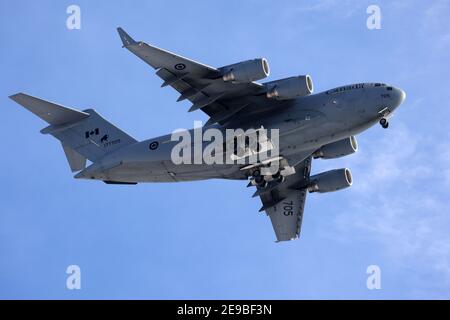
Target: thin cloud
435 23
396 202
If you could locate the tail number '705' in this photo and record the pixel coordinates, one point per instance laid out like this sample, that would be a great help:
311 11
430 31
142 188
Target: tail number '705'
288 208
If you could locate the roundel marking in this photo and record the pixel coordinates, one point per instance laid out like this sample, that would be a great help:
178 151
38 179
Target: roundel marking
154 145
180 66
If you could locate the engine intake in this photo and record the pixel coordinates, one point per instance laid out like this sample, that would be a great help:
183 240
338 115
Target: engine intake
290 88
246 71
337 149
331 181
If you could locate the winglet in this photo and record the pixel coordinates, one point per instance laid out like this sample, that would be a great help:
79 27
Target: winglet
126 39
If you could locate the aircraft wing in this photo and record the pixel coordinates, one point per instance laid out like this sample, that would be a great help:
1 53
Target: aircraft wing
284 203
200 84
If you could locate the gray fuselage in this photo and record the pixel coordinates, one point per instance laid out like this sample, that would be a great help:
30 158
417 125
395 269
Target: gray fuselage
305 124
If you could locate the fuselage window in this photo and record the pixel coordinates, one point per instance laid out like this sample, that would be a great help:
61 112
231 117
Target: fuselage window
346 88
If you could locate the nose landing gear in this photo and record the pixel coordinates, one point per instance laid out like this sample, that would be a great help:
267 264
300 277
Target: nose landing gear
384 123
385 114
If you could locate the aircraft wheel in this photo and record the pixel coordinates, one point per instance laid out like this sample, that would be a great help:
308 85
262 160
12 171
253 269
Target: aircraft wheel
259 180
384 123
256 173
278 177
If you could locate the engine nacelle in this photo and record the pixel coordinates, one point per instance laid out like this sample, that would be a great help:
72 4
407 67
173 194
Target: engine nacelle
331 181
246 71
290 88
337 149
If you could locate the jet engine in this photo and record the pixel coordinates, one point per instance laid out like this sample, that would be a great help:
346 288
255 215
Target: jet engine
290 88
246 71
330 181
337 149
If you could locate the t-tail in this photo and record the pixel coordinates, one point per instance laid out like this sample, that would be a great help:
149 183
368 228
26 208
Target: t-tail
83 134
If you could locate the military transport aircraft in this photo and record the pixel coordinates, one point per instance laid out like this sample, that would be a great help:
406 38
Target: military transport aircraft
311 126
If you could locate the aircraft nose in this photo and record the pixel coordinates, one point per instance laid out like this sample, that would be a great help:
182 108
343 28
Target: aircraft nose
399 96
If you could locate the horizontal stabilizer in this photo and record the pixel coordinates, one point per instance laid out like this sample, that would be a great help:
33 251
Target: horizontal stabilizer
52 113
83 134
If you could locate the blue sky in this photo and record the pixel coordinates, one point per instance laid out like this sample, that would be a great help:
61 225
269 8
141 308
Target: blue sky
206 239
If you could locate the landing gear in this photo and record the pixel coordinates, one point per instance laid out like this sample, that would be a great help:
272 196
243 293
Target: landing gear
278 177
261 181
258 179
384 123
